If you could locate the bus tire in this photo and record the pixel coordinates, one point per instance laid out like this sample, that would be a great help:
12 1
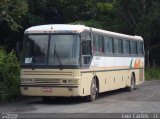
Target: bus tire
132 86
93 91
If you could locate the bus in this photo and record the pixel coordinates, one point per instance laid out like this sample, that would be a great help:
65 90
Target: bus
63 60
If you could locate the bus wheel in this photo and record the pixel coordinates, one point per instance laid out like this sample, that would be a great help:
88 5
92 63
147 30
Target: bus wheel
93 91
132 86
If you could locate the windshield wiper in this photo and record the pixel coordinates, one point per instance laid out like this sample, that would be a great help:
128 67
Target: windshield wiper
58 57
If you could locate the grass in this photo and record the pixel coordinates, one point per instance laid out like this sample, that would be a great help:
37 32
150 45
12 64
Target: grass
152 74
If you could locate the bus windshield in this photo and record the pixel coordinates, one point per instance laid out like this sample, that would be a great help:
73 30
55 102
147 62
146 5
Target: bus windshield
52 50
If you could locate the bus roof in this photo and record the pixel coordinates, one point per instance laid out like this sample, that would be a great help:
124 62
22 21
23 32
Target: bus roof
68 28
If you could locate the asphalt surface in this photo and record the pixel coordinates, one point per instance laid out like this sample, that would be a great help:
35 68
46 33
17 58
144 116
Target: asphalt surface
144 99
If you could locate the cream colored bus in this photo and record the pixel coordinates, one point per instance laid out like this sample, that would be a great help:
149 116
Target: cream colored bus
63 60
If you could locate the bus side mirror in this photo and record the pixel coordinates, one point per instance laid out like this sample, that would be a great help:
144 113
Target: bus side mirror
18 49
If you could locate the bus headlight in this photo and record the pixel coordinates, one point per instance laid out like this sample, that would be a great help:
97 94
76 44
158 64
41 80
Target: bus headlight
64 81
70 81
26 81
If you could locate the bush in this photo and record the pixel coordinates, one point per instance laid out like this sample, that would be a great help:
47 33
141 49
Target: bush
9 76
152 73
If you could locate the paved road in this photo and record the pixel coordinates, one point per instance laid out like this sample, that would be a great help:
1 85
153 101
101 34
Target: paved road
145 99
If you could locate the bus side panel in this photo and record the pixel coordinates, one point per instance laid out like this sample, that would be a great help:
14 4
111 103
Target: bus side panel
111 80
86 78
108 80
112 73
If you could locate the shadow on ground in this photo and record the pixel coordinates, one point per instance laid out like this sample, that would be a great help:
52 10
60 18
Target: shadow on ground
77 100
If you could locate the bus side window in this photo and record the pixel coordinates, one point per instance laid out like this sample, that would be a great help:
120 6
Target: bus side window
140 48
101 44
118 46
86 52
126 47
86 47
133 47
95 43
108 42
98 44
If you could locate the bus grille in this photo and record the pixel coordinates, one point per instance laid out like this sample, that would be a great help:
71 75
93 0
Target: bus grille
53 73
47 81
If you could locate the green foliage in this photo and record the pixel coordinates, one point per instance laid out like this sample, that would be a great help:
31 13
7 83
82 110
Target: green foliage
11 12
9 76
103 7
91 23
133 17
152 74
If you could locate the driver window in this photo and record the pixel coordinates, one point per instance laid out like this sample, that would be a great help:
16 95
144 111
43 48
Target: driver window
86 48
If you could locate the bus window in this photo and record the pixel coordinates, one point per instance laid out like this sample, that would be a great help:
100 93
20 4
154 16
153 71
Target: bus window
133 47
126 47
86 47
95 43
86 36
140 47
98 44
35 49
65 48
101 42
108 45
118 46
86 52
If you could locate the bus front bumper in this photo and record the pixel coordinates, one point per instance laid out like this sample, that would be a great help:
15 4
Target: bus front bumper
57 91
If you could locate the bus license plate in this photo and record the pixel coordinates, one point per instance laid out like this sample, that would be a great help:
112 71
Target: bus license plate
46 89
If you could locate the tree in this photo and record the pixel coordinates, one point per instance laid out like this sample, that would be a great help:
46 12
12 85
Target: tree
141 18
11 13
133 17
